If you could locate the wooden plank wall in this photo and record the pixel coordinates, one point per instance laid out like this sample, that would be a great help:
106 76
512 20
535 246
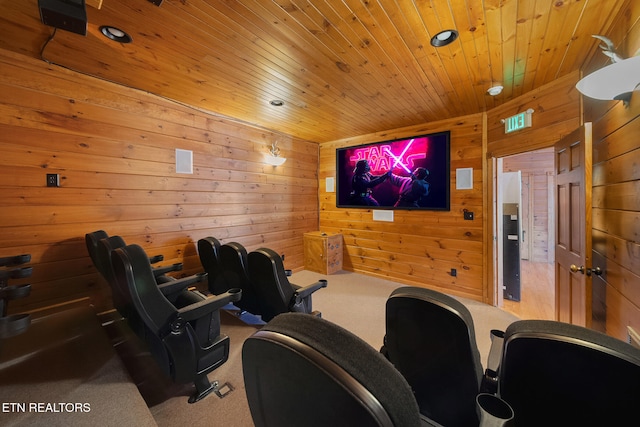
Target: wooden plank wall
556 113
114 149
420 247
616 219
616 194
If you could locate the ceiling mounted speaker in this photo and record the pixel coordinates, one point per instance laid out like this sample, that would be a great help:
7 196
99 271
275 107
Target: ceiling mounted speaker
69 15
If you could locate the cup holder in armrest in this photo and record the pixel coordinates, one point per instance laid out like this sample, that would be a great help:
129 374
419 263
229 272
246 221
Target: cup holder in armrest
14 324
235 294
17 273
15 291
493 411
15 260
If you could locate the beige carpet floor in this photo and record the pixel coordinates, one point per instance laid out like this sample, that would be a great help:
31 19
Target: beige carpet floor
63 371
353 301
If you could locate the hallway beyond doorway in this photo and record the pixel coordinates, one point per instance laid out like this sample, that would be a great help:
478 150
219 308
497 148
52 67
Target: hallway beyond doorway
537 299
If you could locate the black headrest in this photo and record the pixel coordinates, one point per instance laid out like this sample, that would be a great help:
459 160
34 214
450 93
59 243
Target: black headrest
362 363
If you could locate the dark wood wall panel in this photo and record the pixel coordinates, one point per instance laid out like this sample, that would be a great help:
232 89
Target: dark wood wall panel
114 149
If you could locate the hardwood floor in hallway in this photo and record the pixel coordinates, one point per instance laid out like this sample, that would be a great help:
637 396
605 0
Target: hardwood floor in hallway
537 292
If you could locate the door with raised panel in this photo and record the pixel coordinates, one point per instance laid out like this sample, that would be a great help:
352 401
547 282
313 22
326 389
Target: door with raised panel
573 227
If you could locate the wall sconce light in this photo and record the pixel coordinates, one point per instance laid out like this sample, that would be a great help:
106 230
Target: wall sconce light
616 81
273 156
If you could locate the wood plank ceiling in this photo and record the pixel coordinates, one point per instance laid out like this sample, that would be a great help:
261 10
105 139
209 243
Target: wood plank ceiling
342 67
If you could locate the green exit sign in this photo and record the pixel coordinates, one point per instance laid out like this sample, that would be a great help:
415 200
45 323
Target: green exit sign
517 122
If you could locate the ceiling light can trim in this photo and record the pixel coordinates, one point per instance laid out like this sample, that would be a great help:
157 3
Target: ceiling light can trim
495 90
444 38
276 102
115 34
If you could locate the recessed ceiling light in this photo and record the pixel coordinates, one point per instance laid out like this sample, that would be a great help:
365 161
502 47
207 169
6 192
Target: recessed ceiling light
495 90
444 38
276 102
115 34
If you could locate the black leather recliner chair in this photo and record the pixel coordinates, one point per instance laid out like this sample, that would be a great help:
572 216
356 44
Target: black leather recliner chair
302 370
234 274
185 342
430 339
100 249
208 251
175 290
276 294
91 241
104 249
554 373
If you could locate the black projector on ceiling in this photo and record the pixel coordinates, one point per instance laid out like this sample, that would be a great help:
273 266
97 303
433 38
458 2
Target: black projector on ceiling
69 15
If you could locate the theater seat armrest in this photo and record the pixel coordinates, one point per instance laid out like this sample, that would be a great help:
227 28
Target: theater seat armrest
176 286
489 382
197 310
495 351
159 271
308 290
427 422
156 258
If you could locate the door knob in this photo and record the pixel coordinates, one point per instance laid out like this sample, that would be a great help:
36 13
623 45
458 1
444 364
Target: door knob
589 271
576 269
597 271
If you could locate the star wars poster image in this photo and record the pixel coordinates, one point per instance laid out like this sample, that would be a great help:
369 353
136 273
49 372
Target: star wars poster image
408 173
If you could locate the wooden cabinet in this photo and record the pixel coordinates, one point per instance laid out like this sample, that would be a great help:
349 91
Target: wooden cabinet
322 252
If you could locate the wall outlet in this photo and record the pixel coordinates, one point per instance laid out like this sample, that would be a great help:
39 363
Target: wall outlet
53 180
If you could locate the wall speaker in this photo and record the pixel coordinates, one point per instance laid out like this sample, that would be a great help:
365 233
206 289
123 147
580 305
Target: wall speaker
69 15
